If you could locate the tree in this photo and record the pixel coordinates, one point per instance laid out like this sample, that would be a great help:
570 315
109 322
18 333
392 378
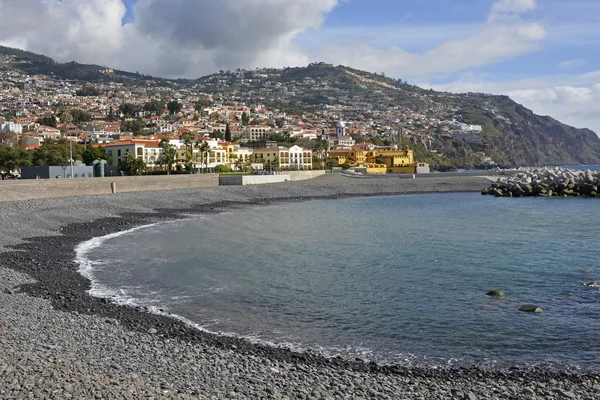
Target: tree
11 159
203 149
65 117
156 107
167 156
239 164
79 116
111 115
227 133
218 134
129 110
48 121
135 126
322 147
55 152
221 169
201 104
245 118
188 140
88 91
91 153
271 164
174 107
131 165
280 122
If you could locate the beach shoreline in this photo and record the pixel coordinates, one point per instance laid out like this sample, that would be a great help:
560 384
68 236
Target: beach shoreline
128 352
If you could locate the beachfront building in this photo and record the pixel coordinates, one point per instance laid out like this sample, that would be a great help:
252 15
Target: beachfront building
381 160
293 158
147 150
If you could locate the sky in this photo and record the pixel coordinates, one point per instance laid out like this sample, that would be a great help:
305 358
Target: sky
545 54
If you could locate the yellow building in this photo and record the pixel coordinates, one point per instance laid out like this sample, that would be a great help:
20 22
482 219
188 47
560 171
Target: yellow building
293 158
390 160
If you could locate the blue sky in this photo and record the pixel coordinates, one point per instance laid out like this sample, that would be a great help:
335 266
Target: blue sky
543 53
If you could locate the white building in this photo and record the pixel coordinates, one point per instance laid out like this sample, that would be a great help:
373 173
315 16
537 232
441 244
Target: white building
469 128
7 126
285 158
340 129
259 132
148 150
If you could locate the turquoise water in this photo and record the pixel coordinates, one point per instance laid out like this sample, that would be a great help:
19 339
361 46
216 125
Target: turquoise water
393 279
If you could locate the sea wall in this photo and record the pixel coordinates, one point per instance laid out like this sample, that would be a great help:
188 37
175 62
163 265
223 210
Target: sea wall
241 180
28 189
547 182
302 175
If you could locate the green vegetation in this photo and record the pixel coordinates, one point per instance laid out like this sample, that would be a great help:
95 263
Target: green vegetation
79 117
167 156
222 169
48 121
56 152
12 158
88 91
131 165
91 154
174 107
134 125
155 107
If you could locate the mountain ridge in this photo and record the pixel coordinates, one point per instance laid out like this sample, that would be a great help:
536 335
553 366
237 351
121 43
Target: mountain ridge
511 134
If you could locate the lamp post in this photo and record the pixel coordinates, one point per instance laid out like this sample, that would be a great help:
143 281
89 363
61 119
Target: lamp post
71 159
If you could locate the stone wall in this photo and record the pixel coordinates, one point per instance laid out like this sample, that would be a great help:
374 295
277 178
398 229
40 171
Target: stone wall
302 175
27 189
252 179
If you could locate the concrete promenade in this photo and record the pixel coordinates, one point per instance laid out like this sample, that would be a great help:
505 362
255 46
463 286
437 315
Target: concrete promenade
48 188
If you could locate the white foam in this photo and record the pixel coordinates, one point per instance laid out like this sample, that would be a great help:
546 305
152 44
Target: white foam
86 266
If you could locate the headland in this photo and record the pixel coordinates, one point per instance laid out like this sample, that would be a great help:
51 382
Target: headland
58 342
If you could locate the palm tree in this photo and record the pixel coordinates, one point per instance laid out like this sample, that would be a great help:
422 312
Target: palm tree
239 164
197 145
167 157
204 149
188 140
132 165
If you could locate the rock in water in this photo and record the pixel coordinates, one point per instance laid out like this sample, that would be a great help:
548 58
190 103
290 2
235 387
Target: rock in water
530 308
495 293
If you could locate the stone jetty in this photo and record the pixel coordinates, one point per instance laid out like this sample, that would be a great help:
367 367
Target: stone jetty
547 182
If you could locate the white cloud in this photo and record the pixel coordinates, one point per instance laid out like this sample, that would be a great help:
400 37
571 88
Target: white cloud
503 36
82 30
570 64
165 37
504 8
194 37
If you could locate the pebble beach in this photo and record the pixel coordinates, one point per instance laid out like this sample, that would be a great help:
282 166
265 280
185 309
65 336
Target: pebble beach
57 342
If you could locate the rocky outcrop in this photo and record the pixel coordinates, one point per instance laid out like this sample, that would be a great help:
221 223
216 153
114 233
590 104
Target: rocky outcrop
547 182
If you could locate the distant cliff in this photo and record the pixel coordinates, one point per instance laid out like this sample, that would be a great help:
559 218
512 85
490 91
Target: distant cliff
520 137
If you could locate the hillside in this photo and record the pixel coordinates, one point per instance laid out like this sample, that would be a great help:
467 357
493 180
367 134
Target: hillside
511 134
35 64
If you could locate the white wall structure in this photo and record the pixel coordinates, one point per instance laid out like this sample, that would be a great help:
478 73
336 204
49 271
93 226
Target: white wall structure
11 127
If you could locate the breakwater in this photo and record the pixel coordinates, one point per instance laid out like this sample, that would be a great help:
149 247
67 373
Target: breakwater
547 182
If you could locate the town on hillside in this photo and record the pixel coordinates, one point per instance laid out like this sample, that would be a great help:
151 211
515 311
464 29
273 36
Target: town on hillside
161 127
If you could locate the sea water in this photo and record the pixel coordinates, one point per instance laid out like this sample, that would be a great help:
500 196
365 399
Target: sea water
399 279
